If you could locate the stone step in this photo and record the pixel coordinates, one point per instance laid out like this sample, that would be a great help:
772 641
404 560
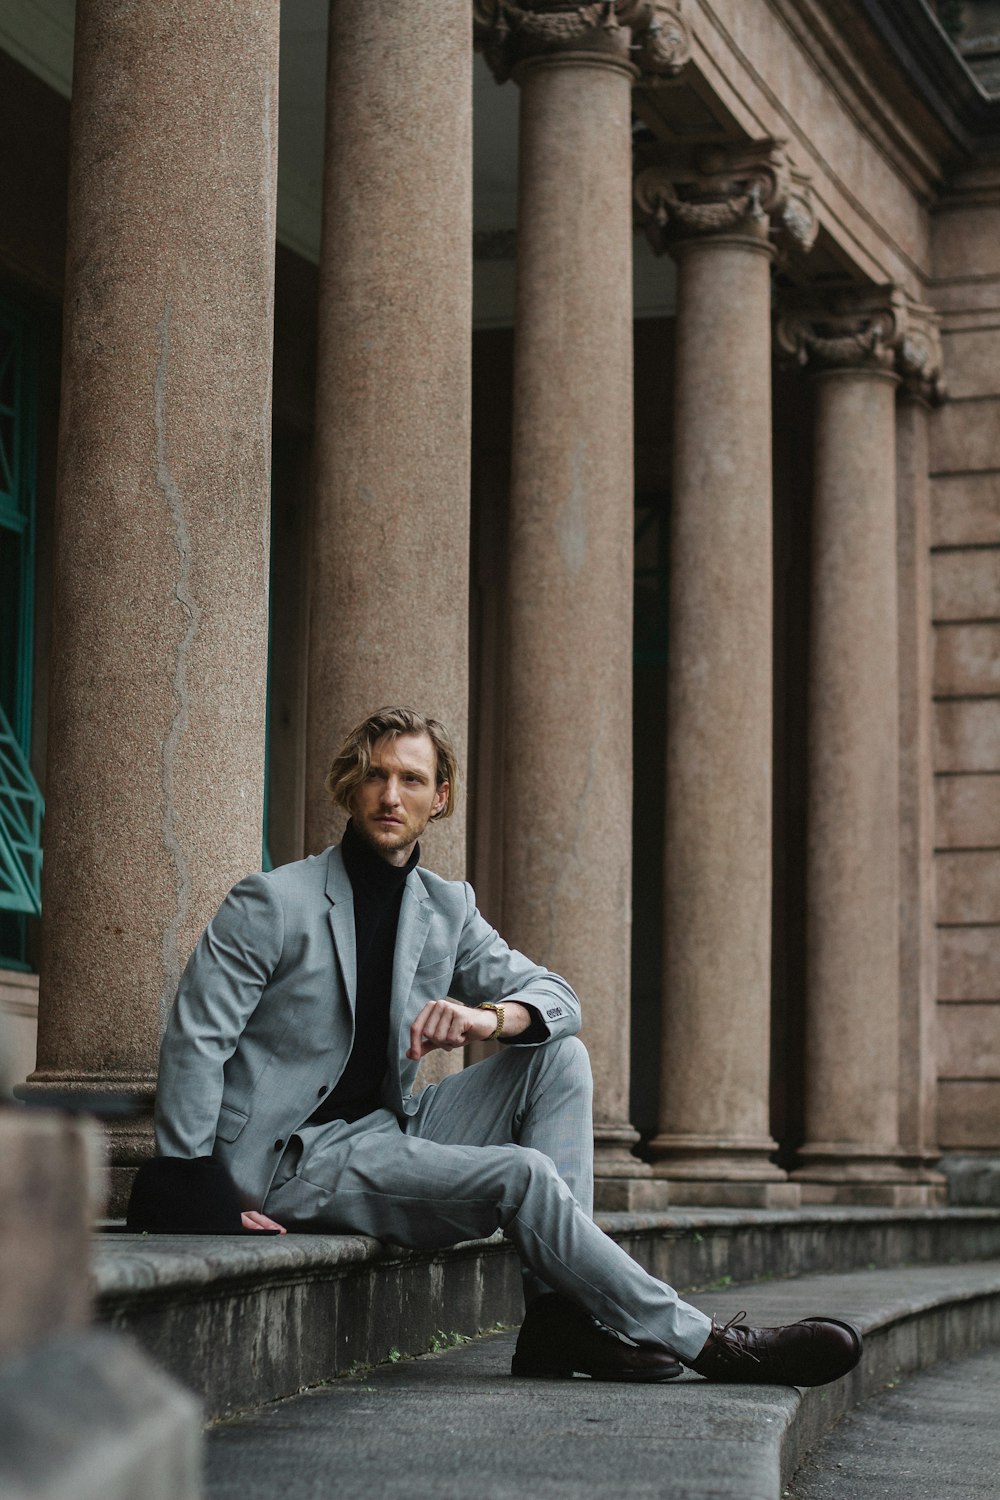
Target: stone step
242 1321
452 1425
932 1435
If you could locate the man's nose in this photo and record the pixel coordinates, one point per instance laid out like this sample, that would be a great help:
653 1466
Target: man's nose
390 790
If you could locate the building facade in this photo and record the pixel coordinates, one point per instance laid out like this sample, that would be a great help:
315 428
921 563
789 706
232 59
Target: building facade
618 382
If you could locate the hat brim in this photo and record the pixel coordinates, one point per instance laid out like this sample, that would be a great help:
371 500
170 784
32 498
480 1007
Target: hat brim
127 1229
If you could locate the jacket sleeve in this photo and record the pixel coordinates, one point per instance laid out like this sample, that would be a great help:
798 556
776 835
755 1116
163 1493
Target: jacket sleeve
219 989
487 969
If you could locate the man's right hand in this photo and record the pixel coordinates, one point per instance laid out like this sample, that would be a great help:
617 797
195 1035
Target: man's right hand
254 1220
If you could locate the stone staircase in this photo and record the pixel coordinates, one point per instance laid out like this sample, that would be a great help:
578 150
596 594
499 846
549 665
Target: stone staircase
243 1322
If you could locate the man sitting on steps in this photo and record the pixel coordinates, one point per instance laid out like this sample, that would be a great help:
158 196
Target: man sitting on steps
290 1055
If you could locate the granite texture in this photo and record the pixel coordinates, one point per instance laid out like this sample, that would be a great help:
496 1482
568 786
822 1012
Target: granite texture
390 527
713 1131
852 1002
156 729
567 739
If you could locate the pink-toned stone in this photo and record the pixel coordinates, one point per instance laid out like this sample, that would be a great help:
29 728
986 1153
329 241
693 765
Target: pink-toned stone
966 660
389 608
156 728
969 1041
567 780
968 885
967 1115
966 584
965 510
967 812
917 957
965 436
972 362
967 735
717 914
853 1018
969 963
965 241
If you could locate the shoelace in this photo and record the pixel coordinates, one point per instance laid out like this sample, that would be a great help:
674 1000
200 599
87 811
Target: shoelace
740 1343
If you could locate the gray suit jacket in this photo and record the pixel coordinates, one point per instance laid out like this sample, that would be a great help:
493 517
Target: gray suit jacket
263 1023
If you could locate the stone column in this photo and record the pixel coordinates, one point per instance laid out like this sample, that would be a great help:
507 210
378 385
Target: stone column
389 607
568 736
919 363
156 720
852 1151
714 211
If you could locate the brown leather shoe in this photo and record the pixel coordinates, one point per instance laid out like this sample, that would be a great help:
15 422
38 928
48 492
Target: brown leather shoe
812 1352
559 1339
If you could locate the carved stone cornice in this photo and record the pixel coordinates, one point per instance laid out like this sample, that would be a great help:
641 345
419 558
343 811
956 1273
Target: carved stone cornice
648 34
752 188
878 328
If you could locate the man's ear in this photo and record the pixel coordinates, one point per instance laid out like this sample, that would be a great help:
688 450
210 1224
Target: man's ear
441 796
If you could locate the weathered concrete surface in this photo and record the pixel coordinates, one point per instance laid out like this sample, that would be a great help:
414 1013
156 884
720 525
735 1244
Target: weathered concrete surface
305 1308
455 1424
935 1434
87 1417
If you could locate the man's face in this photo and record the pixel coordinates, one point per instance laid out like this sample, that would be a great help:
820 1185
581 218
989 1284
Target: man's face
393 805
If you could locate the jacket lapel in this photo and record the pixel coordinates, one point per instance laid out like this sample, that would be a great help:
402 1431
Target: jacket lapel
411 935
341 898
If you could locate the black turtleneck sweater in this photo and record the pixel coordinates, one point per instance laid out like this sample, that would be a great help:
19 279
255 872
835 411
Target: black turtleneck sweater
378 894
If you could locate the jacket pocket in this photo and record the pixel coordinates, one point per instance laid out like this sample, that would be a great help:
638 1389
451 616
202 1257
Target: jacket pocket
231 1122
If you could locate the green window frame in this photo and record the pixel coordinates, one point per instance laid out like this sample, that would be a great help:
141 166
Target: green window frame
21 804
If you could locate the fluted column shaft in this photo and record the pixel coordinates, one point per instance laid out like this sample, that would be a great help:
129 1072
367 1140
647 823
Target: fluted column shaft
852 1022
156 724
567 782
389 606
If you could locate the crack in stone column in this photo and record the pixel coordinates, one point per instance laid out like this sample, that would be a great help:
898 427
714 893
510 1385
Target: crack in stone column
185 598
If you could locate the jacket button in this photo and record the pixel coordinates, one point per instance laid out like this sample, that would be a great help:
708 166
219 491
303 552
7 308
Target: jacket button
279 1145
322 1090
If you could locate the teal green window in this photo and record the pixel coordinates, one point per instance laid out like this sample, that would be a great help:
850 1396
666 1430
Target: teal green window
20 799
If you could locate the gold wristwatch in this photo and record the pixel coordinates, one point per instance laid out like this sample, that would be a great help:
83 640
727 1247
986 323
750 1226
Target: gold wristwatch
498 1012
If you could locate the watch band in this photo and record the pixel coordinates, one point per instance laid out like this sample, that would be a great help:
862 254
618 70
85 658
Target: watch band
498 1012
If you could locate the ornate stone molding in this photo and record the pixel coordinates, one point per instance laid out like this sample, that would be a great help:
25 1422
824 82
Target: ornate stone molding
877 329
718 189
647 33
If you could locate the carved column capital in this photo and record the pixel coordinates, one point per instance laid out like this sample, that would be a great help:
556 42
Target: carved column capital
752 188
880 328
646 34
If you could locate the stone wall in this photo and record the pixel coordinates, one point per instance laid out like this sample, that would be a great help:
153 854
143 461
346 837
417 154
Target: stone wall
966 588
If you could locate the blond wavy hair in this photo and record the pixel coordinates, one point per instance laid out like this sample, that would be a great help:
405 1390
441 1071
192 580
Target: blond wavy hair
354 758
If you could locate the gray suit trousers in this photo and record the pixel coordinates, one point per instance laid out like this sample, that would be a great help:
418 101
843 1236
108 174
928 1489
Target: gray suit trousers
506 1144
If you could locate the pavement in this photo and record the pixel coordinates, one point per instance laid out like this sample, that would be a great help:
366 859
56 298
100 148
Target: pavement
934 1436
453 1425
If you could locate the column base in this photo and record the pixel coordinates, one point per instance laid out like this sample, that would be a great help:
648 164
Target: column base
722 1192
124 1106
834 1173
724 1173
631 1195
613 1152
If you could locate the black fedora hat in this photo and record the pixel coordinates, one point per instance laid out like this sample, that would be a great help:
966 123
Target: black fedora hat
185 1195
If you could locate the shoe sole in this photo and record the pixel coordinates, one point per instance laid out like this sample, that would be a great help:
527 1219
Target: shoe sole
526 1371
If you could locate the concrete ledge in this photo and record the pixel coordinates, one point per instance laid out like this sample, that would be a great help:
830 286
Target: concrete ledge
243 1321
